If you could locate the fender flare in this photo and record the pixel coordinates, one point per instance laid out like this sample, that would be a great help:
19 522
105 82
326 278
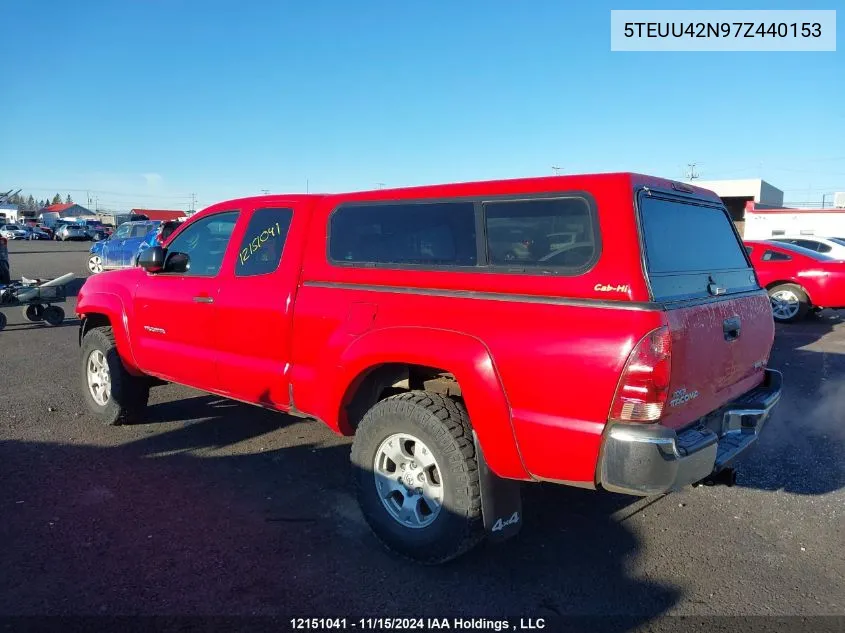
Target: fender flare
466 357
110 306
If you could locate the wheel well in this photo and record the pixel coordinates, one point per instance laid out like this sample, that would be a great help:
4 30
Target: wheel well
774 284
91 321
382 381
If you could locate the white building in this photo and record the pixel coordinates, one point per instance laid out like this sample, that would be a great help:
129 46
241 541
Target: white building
9 213
736 193
763 224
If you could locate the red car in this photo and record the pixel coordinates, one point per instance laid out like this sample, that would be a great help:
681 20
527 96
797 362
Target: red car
469 336
798 280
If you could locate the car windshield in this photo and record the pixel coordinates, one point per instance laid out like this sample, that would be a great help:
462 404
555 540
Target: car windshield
838 240
806 252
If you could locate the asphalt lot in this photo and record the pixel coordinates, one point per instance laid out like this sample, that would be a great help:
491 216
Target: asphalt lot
214 507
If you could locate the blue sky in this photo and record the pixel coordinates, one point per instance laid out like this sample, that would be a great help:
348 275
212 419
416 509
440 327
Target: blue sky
144 103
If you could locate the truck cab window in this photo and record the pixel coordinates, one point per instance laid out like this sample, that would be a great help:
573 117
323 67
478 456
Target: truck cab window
261 248
204 242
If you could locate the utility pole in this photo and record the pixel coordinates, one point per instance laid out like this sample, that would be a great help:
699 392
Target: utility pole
265 191
556 169
306 186
825 195
380 185
193 202
691 173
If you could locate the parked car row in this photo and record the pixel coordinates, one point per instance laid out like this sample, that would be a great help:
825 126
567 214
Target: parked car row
90 230
25 232
801 274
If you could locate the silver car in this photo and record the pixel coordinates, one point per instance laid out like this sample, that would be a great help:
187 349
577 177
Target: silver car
13 232
71 232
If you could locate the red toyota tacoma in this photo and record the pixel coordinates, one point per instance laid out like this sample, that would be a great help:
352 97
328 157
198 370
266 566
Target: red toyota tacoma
603 331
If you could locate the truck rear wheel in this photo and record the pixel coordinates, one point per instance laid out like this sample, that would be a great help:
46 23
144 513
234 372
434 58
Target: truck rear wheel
112 394
417 478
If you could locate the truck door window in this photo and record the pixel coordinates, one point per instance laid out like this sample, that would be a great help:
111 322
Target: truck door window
204 242
123 231
264 240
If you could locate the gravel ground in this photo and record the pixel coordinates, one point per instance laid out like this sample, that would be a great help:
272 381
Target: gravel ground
214 507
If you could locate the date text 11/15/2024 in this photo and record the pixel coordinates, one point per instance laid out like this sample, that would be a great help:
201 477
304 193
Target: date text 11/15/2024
417 624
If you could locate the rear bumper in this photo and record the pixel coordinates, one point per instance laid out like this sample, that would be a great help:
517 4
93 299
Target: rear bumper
649 459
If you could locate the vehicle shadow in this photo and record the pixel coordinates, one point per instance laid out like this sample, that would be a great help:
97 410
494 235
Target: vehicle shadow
801 448
166 523
18 327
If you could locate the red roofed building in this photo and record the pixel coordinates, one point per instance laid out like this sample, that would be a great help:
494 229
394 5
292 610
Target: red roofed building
160 214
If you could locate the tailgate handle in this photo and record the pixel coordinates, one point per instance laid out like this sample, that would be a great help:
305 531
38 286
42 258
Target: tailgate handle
731 328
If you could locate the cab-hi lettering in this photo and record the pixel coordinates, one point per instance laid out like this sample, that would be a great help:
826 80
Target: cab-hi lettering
258 241
609 288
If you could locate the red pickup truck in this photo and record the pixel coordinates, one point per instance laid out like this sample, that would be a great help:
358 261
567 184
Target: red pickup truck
603 331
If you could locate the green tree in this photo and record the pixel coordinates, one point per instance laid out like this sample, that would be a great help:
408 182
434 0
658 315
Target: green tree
57 199
68 200
31 207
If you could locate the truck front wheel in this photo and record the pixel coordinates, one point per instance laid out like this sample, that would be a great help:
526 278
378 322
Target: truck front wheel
112 394
417 478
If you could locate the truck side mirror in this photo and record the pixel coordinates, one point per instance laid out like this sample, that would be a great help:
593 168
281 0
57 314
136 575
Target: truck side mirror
152 259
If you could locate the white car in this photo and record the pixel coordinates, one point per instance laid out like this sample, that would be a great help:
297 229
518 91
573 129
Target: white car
831 246
13 232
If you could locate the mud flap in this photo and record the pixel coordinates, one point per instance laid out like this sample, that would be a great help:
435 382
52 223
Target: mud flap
501 501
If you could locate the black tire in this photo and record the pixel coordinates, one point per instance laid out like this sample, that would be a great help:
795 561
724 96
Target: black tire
803 302
3 321
53 315
33 312
442 424
129 394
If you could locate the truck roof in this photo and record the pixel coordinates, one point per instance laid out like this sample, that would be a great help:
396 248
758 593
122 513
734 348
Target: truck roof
475 188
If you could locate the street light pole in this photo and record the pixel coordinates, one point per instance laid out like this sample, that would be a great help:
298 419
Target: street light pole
556 170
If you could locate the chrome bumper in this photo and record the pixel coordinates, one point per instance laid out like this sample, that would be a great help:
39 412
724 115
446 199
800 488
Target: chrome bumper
649 459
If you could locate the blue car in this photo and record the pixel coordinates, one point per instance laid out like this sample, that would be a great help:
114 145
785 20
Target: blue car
120 249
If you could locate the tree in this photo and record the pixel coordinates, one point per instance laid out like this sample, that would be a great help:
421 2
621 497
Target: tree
68 200
31 207
57 199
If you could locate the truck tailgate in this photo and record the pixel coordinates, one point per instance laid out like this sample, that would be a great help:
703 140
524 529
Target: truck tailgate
719 351
720 320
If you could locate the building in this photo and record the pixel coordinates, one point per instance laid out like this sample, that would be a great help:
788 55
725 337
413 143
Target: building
160 214
736 194
70 210
8 213
766 223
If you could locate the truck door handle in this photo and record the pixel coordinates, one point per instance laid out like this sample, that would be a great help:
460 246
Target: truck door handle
731 328
203 299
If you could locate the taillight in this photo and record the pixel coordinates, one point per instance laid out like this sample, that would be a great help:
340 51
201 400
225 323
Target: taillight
644 385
